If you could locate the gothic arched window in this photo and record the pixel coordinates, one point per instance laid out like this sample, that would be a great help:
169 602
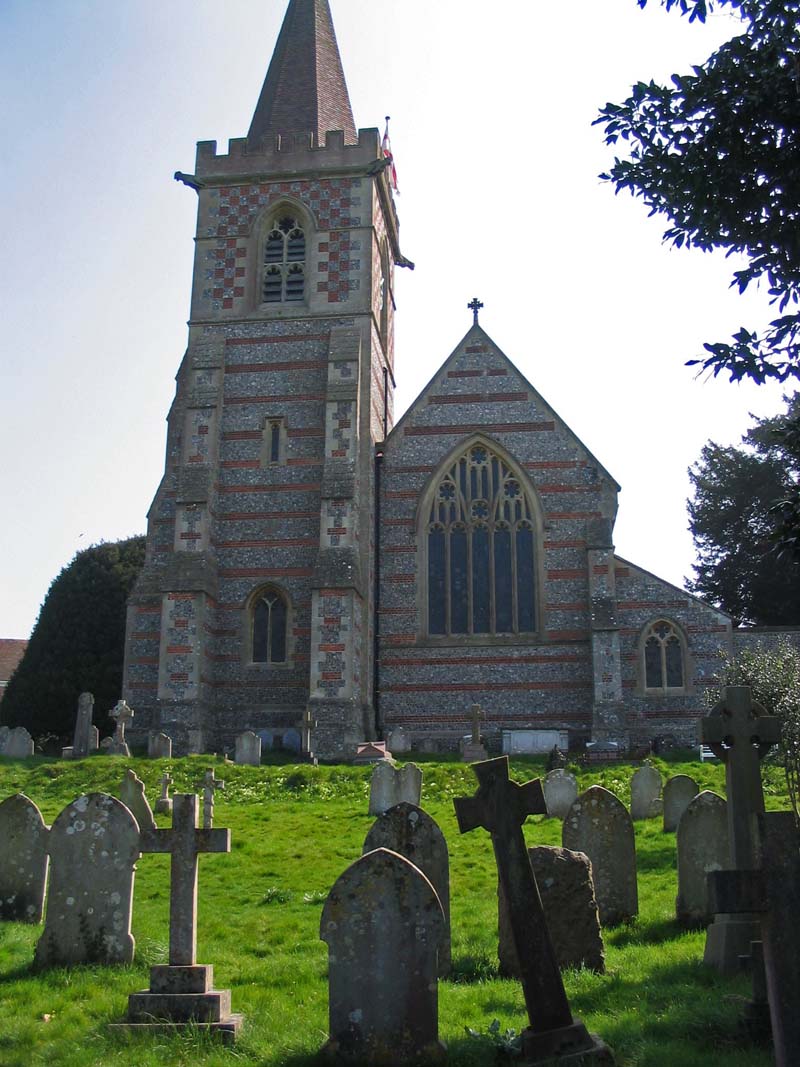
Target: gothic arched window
664 659
480 528
285 260
270 618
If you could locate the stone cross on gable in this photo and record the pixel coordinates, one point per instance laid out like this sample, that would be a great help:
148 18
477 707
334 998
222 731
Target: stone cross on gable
184 842
474 306
209 785
740 734
477 714
501 807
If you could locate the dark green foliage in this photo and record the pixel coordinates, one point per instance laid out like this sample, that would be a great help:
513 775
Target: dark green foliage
716 153
733 524
77 643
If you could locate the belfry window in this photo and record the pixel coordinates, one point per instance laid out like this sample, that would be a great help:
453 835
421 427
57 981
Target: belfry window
664 660
285 262
269 627
480 549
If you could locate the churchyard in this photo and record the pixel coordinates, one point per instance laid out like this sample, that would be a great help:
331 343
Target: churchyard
294 830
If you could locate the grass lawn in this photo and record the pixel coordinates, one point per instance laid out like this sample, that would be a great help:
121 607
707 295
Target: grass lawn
294 830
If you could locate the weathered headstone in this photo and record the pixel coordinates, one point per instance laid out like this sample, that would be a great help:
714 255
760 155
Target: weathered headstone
132 795
164 802
398 741
81 740
560 792
740 733
122 714
409 830
94 739
106 745
209 785
383 923
93 847
19 743
599 825
181 992
679 792
702 845
473 749
159 746
566 888
248 749
23 860
501 806
645 793
390 785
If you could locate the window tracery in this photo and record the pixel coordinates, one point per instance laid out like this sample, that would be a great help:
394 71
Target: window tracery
664 660
285 261
270 616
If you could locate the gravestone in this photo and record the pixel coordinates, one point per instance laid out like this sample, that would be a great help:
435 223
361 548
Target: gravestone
679 792
645 793
94 739
292 741
122 714
702 845
4 732
106 745
164 802
209 785
159 746
81 740
248 749
383 924
740 734
23 860
566 888
132 795
19 743
93 847
409 830
180 995
473 748
599 825
390 785
398 741
560 792
501 806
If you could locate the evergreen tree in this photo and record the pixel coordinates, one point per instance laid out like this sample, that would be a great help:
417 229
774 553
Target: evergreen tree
716 153
77 643
732 520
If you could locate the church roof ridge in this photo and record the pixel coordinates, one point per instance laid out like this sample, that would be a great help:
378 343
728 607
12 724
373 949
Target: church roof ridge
305 89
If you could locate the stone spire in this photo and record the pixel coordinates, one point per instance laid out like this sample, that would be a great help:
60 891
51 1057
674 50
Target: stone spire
304 91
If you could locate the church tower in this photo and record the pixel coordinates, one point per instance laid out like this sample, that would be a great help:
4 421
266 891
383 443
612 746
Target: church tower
256 599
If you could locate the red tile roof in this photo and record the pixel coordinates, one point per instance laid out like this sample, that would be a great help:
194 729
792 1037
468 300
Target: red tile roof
11 651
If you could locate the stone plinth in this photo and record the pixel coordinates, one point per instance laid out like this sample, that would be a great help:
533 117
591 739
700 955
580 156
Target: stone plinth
181 996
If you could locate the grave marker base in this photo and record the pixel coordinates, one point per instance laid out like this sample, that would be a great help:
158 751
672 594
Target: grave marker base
180 997
472 753
568 1044
728 939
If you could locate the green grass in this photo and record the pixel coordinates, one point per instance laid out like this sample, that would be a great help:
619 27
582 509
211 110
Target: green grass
294 830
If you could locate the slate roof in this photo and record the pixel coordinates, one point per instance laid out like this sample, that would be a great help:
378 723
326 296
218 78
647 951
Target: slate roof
305 90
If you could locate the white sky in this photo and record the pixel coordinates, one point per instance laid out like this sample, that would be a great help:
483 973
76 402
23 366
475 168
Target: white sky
491 109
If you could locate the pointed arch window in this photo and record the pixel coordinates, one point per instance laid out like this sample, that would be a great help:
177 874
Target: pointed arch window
285 261
270 617
664 658
481 549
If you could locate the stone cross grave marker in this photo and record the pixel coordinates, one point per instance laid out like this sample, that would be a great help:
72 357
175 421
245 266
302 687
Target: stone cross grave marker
23 860
159 746
210 785
81 740
132 795
560 792
474 749
702 846
383 923
679 792
390 785
645 793
409 830
181 991
772 893
93 847
740 734
501 806
248 749
122 714
164 802
599 825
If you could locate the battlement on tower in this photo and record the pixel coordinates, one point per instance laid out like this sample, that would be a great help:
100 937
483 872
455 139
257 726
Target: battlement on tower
285 154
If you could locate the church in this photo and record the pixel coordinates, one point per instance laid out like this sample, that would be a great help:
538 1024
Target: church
313 563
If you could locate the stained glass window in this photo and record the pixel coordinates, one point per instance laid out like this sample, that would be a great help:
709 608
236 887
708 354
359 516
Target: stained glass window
481 549
270 617
284 261
663 657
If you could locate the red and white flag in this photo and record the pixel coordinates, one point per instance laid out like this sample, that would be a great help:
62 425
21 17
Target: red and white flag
386 147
